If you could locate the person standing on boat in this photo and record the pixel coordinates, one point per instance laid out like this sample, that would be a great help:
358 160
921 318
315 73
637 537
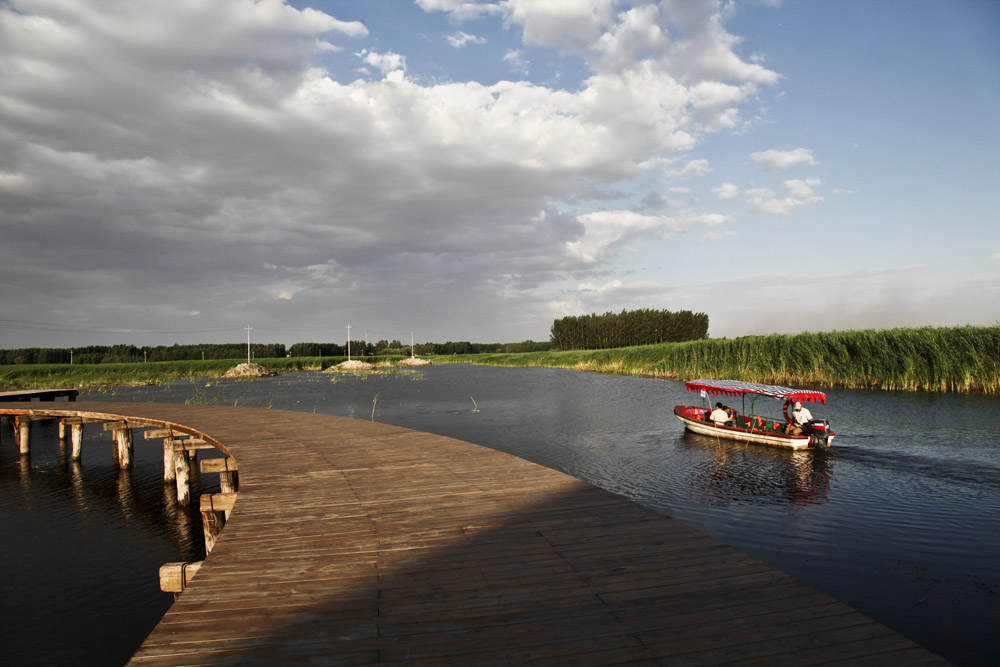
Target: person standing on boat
719 415
800 416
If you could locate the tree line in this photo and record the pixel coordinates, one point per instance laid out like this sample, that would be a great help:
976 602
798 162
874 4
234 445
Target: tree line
124 354
584 332
628 328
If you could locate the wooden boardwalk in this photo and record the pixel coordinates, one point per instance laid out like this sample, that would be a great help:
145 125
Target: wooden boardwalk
353 542
38 395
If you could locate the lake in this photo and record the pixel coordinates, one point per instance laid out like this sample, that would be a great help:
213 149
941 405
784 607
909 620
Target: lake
900 519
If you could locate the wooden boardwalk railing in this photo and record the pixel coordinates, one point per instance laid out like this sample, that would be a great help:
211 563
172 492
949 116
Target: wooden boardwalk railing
353 542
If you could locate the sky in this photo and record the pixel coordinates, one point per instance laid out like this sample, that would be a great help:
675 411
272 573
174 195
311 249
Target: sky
175 172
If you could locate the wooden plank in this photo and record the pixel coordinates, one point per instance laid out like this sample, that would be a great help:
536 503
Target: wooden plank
217 502
360 543
191 444
218 465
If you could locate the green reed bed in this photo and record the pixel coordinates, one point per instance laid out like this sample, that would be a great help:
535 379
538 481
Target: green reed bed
957 359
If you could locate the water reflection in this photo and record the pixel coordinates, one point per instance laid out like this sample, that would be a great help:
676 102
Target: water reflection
750 474
126 492
76 484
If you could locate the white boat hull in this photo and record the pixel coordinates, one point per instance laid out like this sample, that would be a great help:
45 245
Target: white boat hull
743 434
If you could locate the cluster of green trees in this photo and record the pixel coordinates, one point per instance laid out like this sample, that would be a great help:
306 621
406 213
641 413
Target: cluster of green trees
628 329
359 348
465 347
126 354
387 348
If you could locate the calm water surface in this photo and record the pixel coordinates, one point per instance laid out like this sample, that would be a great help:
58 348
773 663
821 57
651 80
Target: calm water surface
901 519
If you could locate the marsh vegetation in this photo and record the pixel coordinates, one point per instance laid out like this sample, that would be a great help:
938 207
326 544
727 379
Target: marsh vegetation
955 359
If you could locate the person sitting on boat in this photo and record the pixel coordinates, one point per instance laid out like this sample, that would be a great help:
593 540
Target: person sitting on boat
719 415
800 416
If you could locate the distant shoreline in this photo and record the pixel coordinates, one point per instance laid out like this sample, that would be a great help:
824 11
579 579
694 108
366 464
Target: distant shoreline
956 359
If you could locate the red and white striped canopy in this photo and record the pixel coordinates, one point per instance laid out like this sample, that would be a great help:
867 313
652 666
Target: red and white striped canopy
736 388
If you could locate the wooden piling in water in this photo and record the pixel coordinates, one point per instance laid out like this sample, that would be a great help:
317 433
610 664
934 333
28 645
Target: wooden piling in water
123 443
182 477
169 474
215 508
22 430
76 436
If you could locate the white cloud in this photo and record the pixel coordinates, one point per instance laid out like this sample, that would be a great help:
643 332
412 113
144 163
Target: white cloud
199 143
995 255
801 189
386 62
800 193
515 60
706 219
606 232
727 191
773 160
573 26
459 39
461 10
696 168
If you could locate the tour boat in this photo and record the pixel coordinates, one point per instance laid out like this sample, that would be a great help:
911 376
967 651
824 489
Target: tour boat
750 427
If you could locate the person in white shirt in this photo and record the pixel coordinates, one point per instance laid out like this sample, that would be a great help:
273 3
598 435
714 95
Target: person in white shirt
719 415
800 416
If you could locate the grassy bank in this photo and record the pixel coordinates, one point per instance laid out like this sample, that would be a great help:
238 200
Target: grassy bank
959 359
62 376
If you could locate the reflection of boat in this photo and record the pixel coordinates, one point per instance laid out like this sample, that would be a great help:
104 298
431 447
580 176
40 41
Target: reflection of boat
750 427
723 475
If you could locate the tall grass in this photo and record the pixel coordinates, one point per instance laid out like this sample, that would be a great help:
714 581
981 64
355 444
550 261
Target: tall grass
958 359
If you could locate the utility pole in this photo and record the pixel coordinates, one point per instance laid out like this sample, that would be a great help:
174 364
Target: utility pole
248 342
348 342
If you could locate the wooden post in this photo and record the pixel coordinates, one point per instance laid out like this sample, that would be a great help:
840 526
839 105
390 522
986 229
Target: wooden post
22 427
182 477
125 447
169 474
215 508
227 482
121 436
228 473
62 431
76 434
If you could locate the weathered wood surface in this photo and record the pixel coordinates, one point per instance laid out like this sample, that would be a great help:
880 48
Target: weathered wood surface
38 394
353 542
